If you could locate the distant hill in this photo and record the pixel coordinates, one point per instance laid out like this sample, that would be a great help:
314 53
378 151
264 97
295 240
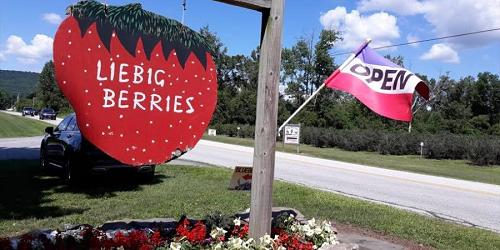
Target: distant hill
21 82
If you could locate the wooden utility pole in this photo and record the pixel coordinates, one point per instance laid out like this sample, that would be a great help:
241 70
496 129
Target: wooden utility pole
267 112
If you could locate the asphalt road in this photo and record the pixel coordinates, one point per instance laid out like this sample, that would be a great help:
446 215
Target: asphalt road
470 203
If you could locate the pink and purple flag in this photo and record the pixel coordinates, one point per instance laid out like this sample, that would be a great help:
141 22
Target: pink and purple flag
381 85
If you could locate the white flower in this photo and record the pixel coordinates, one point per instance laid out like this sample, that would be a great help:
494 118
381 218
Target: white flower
234 243
311 222
217 232
237 221
175 246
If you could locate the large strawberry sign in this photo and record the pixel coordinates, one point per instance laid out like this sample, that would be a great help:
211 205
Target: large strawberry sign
143 87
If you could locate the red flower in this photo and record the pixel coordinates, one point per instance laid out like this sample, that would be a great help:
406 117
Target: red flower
121 240
156 239
196 234
5 244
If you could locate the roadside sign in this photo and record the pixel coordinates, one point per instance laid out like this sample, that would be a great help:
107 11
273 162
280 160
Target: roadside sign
242 178
212 132
292 134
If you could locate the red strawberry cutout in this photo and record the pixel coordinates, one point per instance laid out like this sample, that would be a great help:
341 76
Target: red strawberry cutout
143 87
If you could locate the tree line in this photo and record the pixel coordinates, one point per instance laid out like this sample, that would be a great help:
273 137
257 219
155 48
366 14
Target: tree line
470 105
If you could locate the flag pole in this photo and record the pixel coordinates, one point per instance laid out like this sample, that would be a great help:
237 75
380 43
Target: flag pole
346 62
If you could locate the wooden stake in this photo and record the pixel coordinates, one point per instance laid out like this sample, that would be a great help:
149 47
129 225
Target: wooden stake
266 121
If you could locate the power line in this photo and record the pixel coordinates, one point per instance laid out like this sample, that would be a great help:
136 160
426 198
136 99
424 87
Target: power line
425 40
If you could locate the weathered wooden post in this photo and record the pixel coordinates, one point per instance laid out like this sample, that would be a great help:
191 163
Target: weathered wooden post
267 112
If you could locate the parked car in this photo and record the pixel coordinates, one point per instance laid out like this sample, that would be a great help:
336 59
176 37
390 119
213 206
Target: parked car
47 113
28 111
66 150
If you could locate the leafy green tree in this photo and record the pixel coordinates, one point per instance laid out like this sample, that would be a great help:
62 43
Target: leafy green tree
49 93
5 99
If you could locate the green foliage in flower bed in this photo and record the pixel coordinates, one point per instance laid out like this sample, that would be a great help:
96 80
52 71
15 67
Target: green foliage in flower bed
480 150
31 200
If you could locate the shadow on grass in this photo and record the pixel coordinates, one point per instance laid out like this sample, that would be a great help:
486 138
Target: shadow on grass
26 191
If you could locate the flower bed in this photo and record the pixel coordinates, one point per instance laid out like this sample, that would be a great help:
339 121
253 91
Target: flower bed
214 232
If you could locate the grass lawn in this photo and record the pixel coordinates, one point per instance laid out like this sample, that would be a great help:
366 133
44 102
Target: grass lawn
458 169
31 200
15 126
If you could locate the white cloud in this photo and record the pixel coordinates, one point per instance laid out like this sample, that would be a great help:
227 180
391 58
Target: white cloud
412 38
441 52
40 48
52 18
380 27
2 57
406 7
448 17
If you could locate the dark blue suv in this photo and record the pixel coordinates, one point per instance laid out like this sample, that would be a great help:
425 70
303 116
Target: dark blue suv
65 149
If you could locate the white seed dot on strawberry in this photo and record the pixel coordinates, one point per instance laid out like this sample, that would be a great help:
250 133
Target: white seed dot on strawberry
195 76
89 49
121 116
202 123
100 84
143 150
192 62
137 131
139 51
201 105
157 55
99 46
111 59
177 79
89 104
64 82
150 160
150 122
69 42
211 69
152 141
69 31
62 63
142 64
170 125
90 32
180 121
121 135
169 75
69 56
194 136
113 35
103 133
86 125
190 126
173 65
171 84
128 149
133 159
203 78
184 92
209 80
109 127
129 86
181 143
154 89
166 140
85 70
86 91
117 56
199 93
185 81
208 88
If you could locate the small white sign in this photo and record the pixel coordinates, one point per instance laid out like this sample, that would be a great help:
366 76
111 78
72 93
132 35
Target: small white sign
292 134
212 132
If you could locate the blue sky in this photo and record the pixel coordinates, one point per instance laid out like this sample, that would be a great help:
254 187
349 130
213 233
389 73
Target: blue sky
27 27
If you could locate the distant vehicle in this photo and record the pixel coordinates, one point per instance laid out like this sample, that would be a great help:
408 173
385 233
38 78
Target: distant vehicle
47 113
28 111
65 150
